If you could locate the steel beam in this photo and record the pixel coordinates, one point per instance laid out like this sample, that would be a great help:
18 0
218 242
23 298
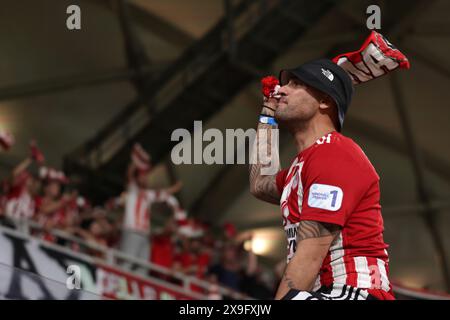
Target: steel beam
65 83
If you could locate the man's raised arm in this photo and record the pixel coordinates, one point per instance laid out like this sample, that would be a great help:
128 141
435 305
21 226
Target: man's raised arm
263 169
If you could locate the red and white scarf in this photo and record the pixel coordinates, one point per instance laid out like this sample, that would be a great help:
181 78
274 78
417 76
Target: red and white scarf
376 57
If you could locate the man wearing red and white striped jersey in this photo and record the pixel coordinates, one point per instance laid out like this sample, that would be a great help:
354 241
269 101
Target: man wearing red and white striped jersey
329 196
19 202
138 201
333 182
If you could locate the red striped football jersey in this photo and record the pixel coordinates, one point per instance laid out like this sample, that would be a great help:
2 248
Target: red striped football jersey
333 181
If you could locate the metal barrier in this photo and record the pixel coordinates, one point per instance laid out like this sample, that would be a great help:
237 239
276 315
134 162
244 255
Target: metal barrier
405 293
24 229
54 289
117 258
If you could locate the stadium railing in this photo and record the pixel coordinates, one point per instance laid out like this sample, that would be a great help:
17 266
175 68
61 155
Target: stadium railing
117 259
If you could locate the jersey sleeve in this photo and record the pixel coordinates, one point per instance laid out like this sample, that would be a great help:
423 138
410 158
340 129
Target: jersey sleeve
280 178
334 183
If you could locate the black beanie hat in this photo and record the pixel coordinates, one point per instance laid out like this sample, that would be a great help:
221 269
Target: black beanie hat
327 77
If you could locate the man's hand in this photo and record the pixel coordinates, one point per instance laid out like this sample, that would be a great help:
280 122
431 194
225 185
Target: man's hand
313 242
140 158
270 105
176 187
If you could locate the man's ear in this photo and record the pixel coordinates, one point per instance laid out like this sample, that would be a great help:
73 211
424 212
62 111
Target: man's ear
326 102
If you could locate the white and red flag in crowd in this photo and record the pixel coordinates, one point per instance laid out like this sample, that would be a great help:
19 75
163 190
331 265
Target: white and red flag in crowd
140 157
376 57
51 174
6 140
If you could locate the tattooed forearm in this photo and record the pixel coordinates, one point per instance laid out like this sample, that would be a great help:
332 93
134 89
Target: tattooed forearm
264 186
289 282
301 272
314 229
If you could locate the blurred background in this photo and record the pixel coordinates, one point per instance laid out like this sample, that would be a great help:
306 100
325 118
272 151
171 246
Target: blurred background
139 69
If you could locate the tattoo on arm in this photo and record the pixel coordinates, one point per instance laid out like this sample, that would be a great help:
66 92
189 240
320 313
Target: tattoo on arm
290 283
314 229
264 187
300 274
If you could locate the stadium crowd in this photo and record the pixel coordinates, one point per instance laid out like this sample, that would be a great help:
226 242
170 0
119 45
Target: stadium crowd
182 244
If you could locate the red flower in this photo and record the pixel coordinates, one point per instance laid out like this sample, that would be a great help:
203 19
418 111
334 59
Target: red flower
268 85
